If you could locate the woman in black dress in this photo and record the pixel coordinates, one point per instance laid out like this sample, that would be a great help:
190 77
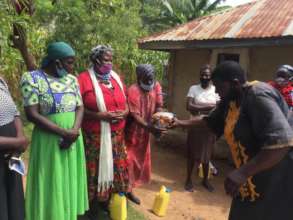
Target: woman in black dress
12 141
253 117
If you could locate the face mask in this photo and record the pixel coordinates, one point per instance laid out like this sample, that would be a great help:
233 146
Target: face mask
204 82
61 72
146 87
105 69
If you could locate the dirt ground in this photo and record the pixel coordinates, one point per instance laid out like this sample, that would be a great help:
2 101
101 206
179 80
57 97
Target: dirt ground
169 169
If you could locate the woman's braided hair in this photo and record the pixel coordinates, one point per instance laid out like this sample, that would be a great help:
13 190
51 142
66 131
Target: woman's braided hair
98 51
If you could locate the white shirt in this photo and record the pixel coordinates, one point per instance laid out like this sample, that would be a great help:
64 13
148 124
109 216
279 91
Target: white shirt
204 96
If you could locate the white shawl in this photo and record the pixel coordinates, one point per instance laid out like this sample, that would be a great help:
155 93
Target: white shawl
105 179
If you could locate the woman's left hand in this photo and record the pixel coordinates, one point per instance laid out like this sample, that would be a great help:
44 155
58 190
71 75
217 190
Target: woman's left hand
233 182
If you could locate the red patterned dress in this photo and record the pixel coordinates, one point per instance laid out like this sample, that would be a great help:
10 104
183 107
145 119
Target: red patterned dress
138 138
114 100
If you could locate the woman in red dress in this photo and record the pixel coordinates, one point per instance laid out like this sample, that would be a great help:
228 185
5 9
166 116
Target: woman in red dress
283 83
144 99
105 104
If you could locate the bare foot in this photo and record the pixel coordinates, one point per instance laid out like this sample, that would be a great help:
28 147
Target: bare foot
206 184
189 186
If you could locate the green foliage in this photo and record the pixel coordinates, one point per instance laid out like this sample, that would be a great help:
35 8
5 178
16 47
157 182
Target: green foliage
170 13
83 24
87 23
11 63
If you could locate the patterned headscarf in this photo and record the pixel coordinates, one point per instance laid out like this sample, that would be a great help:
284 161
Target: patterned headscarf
143 70
286 68
98 51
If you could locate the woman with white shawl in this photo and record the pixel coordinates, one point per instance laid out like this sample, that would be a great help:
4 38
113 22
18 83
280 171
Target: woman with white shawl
104 98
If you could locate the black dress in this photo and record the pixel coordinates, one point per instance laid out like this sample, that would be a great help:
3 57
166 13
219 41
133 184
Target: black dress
261 122
11 188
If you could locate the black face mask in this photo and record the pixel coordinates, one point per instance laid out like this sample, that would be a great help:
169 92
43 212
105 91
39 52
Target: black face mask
204 82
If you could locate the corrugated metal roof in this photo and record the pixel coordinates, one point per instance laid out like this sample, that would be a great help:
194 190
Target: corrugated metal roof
258 19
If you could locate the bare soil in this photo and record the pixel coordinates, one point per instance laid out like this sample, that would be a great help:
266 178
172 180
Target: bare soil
169 169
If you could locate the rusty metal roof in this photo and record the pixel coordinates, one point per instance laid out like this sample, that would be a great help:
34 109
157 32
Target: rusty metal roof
258 19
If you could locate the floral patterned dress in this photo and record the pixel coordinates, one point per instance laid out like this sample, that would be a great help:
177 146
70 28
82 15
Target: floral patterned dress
114 100
56 182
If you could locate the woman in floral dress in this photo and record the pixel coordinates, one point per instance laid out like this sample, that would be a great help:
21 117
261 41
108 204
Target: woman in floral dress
56 182
104 99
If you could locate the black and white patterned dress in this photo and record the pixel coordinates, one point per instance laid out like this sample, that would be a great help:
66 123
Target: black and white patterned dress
11 189
8 108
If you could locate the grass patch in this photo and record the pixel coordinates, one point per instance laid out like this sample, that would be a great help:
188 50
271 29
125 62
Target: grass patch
28 128
134 214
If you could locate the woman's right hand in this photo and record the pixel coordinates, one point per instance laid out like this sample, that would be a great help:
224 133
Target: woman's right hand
18 38
175 123
70 135
23 143
156 130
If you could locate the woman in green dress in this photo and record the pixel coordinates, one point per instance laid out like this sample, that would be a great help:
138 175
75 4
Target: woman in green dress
56 182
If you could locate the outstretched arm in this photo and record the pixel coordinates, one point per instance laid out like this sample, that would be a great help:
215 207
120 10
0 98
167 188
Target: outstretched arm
196 122
19 42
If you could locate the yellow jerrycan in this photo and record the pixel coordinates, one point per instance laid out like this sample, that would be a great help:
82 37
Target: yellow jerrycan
161 201
118 206
200 172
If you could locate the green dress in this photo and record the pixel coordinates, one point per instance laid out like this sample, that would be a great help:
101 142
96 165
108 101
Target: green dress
56 182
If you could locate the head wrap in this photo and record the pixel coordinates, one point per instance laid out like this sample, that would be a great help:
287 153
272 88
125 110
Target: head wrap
57 50
286 68
98 51
143 70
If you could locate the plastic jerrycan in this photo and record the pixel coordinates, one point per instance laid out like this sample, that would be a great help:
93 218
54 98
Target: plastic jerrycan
161 201
118 206
200 172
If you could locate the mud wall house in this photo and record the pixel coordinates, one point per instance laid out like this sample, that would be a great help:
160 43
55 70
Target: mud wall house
258 35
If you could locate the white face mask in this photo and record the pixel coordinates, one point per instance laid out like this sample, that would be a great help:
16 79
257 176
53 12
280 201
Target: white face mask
16 164
146 87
